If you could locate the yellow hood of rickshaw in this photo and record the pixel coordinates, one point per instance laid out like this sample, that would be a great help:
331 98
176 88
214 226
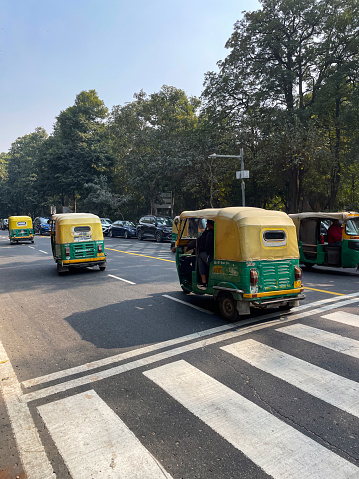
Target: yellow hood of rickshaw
66 222
14 220
239 233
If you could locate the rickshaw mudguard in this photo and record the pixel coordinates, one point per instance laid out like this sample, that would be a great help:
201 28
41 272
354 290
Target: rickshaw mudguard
227 287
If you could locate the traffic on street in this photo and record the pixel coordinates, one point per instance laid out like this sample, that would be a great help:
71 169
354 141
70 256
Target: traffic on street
118 373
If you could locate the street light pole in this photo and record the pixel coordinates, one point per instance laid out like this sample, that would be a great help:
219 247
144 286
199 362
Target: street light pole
241 174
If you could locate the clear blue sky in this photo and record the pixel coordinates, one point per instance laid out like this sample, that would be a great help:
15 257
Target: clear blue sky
51 50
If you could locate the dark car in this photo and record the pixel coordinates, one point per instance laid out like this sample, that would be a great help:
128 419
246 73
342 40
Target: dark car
122 228
155 227
41 225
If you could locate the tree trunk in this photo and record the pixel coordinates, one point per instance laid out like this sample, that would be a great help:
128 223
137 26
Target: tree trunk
293 189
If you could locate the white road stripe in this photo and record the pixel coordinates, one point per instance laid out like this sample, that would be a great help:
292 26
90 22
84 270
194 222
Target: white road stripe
32 396
94 442
187 304
323 338
31 450
45 252
330 387
324 301
279 449
32 247
121 279
344 318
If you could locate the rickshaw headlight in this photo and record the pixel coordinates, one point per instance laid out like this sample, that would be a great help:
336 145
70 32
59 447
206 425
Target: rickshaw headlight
297 273
254 277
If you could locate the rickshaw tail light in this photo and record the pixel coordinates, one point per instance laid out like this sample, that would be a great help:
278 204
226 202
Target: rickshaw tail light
254 277
99 248
67 250
297 273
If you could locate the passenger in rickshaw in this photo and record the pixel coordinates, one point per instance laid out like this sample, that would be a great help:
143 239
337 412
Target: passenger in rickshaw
335 233
205 252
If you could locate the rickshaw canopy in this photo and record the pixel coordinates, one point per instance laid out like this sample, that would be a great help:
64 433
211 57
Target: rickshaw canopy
241 232
72 227
17 222
342 216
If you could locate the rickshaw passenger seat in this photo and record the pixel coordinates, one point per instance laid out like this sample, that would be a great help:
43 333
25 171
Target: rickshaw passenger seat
187 264
334 252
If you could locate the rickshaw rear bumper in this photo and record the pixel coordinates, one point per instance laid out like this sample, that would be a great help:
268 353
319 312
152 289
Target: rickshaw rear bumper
279 301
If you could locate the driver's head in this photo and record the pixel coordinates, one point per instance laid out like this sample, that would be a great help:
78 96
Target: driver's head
210 224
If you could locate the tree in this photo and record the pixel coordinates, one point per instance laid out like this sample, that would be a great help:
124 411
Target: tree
79 150
282 57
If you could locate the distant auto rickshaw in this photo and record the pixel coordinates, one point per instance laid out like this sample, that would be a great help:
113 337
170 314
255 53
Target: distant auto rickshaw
20 229
316 248
255 263
77 241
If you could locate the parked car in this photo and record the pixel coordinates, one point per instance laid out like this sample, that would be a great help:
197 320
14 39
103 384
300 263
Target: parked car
156 227
106 223
42 225
4 224
127 229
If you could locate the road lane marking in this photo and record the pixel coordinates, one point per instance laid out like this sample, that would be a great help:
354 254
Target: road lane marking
187 304
121 279
32 247
328 340
324 301
45 252
144 255
340 392
344 318
95 442
248 328
323 291
31 450
274 446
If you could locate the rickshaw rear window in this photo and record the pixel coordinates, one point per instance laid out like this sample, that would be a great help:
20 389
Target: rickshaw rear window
82 229
21 223
274 238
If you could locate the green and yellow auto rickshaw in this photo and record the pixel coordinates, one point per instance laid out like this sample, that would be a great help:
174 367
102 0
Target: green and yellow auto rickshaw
20 229
255 261
315 244
77 241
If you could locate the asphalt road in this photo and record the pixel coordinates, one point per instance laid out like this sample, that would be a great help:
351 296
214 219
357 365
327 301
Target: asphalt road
119 374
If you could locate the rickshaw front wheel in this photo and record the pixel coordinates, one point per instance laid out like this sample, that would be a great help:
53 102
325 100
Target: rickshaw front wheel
227 307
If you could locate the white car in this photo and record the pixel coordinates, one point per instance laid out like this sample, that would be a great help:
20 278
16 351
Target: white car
106 223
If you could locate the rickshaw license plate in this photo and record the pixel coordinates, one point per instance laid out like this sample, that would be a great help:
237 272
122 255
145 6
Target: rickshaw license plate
217 269
297 284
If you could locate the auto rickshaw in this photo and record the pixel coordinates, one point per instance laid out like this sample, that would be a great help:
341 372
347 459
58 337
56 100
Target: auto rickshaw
77 241
255 263
20 229
314 248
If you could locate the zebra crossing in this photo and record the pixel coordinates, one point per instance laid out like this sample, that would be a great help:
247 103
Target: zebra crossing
95 441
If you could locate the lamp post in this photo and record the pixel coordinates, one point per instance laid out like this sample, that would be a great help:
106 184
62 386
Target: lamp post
241 174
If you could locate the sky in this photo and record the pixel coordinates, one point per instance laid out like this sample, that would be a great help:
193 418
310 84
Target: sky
51 50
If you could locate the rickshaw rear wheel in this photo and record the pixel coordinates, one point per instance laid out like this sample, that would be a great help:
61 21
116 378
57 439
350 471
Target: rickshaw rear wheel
102 268
227 307
185 290
309 266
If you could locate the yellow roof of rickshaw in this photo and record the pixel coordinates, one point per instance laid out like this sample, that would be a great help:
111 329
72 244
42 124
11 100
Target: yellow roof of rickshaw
79 218
239 232
243 215
19 218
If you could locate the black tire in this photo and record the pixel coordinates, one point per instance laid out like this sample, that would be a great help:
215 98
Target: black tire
60 272
110 234
126 235
158 237
227 307
185 290
102 268
308 266
285 307
140 235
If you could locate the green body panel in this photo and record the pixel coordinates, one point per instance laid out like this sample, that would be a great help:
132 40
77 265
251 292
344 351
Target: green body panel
349 257
79 251
273 276
21 233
